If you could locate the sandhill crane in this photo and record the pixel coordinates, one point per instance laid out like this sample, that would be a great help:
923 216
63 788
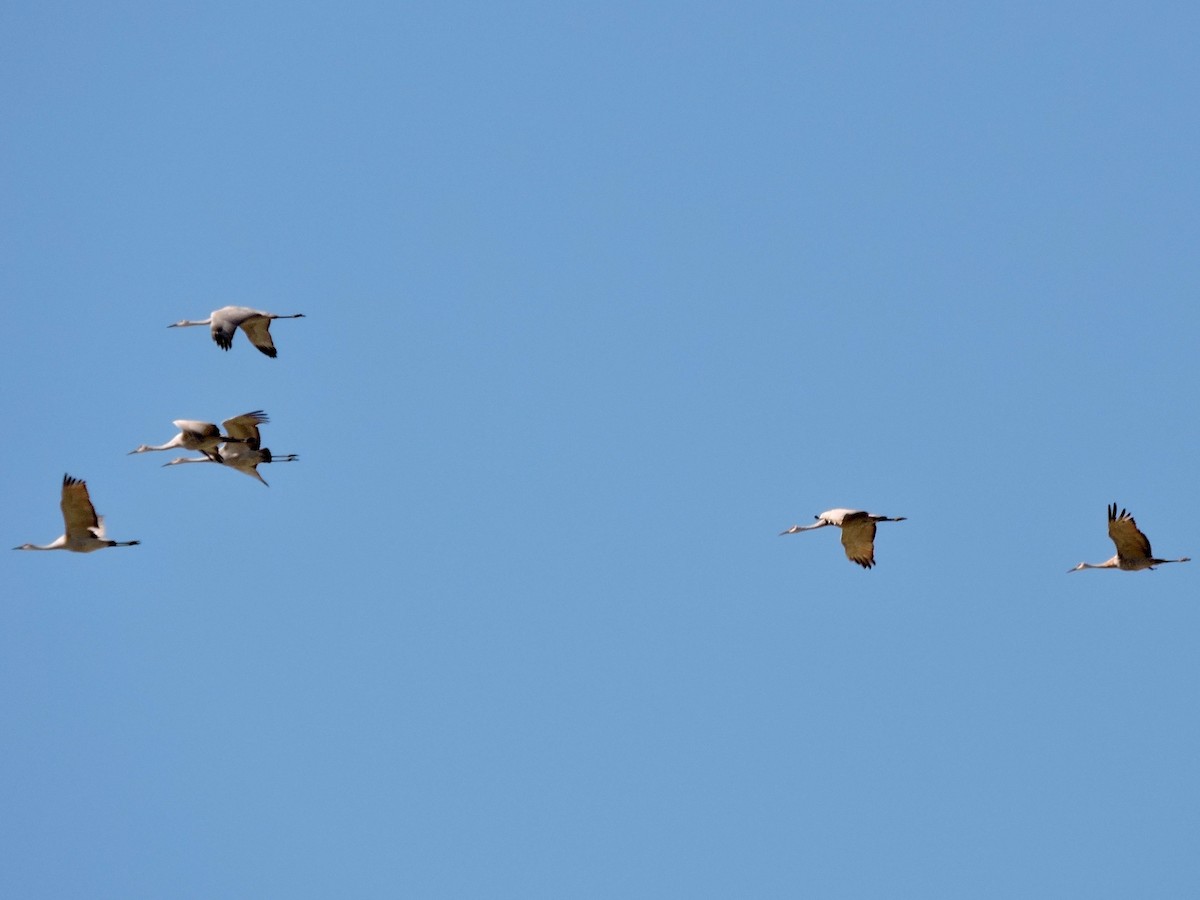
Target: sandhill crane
203 436
224 323
84 529
858 532
1133 547
247 453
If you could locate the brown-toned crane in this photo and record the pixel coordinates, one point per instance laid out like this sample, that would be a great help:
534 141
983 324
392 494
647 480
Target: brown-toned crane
1133 547
84 529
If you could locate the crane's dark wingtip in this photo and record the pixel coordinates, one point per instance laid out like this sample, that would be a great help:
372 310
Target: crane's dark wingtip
269 351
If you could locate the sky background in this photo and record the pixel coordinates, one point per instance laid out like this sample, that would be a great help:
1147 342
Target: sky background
601 297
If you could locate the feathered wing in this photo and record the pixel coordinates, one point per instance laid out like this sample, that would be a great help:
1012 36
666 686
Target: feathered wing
245 427
257 328
79 515
858 537
1131 543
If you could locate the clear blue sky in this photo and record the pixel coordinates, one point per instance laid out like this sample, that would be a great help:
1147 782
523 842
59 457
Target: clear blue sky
600 297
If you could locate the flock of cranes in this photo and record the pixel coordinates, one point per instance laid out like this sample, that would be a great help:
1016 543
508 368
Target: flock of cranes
239 447
858 539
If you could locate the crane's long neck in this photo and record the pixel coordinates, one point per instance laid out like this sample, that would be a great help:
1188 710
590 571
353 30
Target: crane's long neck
146 448
796 529
59 544
190 459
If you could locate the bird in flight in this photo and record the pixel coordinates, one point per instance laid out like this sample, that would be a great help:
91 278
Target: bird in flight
1133 547
225 322
858 532
84 529
202 436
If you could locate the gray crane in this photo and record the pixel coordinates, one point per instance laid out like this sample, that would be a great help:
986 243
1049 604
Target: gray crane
225 322
202 436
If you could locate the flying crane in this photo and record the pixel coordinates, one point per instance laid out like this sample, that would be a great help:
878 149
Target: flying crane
225 322
858 532
84 529
1133 547
202 436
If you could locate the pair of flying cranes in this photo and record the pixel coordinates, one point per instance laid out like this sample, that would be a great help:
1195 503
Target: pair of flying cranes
240 447
858 538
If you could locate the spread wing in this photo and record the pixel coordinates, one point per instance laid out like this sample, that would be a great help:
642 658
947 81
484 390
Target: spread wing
78 513
245 426
257 329
858 537
1131 543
